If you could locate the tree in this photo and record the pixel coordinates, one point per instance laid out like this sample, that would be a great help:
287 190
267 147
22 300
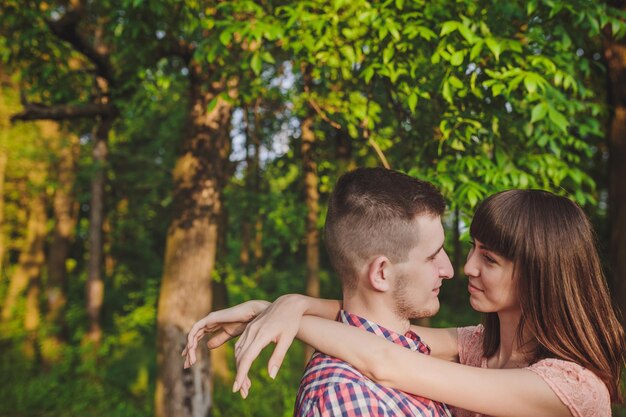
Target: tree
202 170
615 55
81 44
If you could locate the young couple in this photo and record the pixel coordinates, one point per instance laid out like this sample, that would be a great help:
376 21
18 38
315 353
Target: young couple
550 345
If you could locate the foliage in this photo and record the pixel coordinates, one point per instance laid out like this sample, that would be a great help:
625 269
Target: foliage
475 96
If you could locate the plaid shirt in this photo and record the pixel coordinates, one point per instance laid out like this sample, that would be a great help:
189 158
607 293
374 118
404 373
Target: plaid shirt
331 387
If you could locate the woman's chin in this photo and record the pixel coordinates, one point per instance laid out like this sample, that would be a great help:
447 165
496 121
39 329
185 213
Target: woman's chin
476 305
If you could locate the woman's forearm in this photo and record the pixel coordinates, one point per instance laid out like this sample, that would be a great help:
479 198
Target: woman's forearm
300 305
327 309
502 392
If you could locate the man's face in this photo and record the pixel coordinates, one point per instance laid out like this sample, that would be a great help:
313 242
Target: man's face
418 279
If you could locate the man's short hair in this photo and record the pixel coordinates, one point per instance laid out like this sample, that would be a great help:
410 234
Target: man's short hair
371 212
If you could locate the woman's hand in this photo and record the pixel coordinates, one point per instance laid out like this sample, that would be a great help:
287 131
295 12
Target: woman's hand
222 325
278 324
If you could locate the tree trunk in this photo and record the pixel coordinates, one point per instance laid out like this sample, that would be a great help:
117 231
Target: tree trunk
311 197
258 189
3 166
199 178
312 205
219 356
31 258
64 209
94 291
246 225
38 221
253 188
615 55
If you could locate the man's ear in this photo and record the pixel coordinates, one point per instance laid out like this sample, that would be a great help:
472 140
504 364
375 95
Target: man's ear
378 273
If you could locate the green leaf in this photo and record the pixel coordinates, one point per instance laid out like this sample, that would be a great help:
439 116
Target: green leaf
256 63
473 196
495 47
539 112
457 58
530 84
533 81
497 89
348 52
212 104
225 37
467 33
558 119
449 27
501 158
267 57
388 54
447 94
476 49
368 73
455 82
457 145
412 102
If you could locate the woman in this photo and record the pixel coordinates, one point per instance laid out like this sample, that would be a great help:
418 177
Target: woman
533 269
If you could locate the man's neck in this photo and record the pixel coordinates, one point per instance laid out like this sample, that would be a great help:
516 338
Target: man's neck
377 312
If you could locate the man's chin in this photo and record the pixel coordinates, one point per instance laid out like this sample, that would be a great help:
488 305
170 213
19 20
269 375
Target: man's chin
425 314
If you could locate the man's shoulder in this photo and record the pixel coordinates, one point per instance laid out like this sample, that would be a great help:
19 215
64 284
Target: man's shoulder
327 370
330 385
333 388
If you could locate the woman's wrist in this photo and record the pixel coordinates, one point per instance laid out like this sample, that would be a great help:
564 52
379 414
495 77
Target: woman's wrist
297 303
259 306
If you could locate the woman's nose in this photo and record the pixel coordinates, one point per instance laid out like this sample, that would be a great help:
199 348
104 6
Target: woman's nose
470 269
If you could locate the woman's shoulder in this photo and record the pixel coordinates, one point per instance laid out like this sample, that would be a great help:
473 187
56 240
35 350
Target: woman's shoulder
576 386
470 343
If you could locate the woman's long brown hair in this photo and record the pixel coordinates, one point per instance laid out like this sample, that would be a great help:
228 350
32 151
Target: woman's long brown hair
564 299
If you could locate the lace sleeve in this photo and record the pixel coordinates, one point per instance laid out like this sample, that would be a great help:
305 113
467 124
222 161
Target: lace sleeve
470 341
578 388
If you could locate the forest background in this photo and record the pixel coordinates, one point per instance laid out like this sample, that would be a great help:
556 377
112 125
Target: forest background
160 159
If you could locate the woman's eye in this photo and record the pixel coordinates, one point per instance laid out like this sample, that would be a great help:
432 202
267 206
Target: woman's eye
489 259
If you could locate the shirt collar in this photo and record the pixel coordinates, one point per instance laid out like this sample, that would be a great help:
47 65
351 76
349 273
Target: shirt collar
409 340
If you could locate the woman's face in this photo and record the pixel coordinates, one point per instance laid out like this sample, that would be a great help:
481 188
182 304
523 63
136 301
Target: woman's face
491 284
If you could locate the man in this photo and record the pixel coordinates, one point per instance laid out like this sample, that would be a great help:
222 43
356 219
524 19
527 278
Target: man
385 240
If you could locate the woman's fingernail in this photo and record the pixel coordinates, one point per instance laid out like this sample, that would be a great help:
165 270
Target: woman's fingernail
235 386
273 371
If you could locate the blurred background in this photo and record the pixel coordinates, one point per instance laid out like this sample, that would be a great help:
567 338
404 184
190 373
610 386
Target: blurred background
161 159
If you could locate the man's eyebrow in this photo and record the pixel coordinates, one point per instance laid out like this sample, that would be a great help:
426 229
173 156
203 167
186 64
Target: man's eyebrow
436 252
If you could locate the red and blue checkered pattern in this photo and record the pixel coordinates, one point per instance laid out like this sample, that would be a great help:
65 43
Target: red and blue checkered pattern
331 387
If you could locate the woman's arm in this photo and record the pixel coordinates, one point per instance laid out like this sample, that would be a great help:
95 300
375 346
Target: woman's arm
497 392
443 343
275 318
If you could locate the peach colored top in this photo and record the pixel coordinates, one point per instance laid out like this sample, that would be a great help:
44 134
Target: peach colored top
584 394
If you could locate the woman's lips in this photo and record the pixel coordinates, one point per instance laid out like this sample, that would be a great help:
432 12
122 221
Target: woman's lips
472 289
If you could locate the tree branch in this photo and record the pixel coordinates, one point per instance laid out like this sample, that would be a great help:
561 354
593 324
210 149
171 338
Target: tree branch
35 111
66 28
373 144
323 115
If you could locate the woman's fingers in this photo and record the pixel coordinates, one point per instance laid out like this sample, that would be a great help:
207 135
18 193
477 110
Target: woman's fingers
243 362
218 339
276 360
